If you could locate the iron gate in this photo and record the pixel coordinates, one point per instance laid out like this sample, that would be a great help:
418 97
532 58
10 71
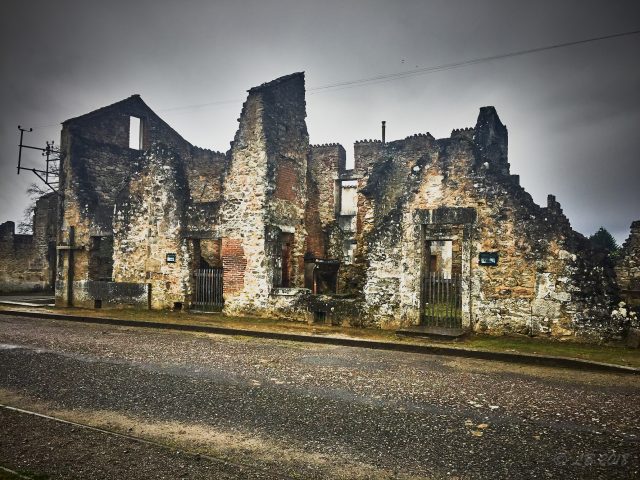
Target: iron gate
442 300
208 289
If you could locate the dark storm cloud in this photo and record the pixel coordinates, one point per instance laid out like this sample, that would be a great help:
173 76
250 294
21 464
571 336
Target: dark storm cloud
572 113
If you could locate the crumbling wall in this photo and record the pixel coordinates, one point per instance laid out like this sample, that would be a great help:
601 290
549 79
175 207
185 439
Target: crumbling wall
264 193
323 196
246 278
258 210
628 266
29 261
205 170
16 252
387 270
101 294
97 162
544 267
149 242
287 143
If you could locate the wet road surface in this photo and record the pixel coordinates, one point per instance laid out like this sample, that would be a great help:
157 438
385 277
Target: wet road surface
303 410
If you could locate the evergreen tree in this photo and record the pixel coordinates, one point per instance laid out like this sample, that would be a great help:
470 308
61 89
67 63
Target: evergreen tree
602 239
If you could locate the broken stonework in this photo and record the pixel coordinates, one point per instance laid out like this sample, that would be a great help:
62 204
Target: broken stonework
628 266
460 189
422 232
149 224
28 262
265 196
96 165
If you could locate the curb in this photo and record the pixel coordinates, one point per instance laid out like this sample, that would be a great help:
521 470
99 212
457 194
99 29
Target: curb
522 358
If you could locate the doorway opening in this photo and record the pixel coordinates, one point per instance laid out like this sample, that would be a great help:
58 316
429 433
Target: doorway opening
441 293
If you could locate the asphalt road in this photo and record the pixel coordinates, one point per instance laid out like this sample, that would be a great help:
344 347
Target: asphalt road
267 409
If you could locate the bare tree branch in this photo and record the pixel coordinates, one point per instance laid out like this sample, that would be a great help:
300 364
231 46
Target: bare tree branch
34 191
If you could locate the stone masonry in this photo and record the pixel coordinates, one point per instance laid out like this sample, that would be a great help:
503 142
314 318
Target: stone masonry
97 164
291 232
547 279
628 266
28 262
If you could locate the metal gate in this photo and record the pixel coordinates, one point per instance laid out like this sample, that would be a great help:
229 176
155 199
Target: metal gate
442 300
207 294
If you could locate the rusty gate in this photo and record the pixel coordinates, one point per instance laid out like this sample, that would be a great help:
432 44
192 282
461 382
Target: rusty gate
207 295
442 300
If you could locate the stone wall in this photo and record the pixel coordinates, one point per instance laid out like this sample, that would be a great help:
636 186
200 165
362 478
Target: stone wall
98 294
246 277
545 269
28 262
287 143
323 195
628 266
273 201
149 242
16 252
264 194
96 164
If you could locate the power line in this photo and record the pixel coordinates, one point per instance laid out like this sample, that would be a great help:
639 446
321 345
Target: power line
449 66
415 72
200 105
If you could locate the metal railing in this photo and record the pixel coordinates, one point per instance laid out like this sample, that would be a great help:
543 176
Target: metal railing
442 300
208 290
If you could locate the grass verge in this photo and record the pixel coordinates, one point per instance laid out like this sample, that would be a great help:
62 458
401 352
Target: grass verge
616 354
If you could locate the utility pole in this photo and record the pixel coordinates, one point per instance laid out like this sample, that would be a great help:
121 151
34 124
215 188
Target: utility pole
50 175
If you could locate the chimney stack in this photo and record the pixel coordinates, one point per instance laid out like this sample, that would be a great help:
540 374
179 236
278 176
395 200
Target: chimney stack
383 129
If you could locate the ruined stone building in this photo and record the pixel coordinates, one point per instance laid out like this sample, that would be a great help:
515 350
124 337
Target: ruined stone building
422 231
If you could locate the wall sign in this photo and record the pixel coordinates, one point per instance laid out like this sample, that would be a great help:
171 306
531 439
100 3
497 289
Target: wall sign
488 259
171 258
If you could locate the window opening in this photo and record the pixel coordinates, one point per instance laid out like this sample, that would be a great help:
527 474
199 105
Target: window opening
135 133
348 197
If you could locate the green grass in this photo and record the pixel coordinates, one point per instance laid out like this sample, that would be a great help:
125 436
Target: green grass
616 354
442 310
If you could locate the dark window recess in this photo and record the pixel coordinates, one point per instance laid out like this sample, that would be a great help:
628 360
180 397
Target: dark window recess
433 263
282 261
97 303
101 258
319 317
321 276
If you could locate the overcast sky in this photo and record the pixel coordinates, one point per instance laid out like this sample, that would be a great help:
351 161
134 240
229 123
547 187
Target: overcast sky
573 113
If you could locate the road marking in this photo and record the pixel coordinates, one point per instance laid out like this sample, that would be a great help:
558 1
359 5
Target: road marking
13 472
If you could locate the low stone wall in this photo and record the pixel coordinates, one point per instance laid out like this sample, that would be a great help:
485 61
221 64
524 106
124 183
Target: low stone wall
335 310
289 303
300 305
97 294
27 261
16 259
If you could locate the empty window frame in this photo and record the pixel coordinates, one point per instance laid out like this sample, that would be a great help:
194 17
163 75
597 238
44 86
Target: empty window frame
348 197
135 133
